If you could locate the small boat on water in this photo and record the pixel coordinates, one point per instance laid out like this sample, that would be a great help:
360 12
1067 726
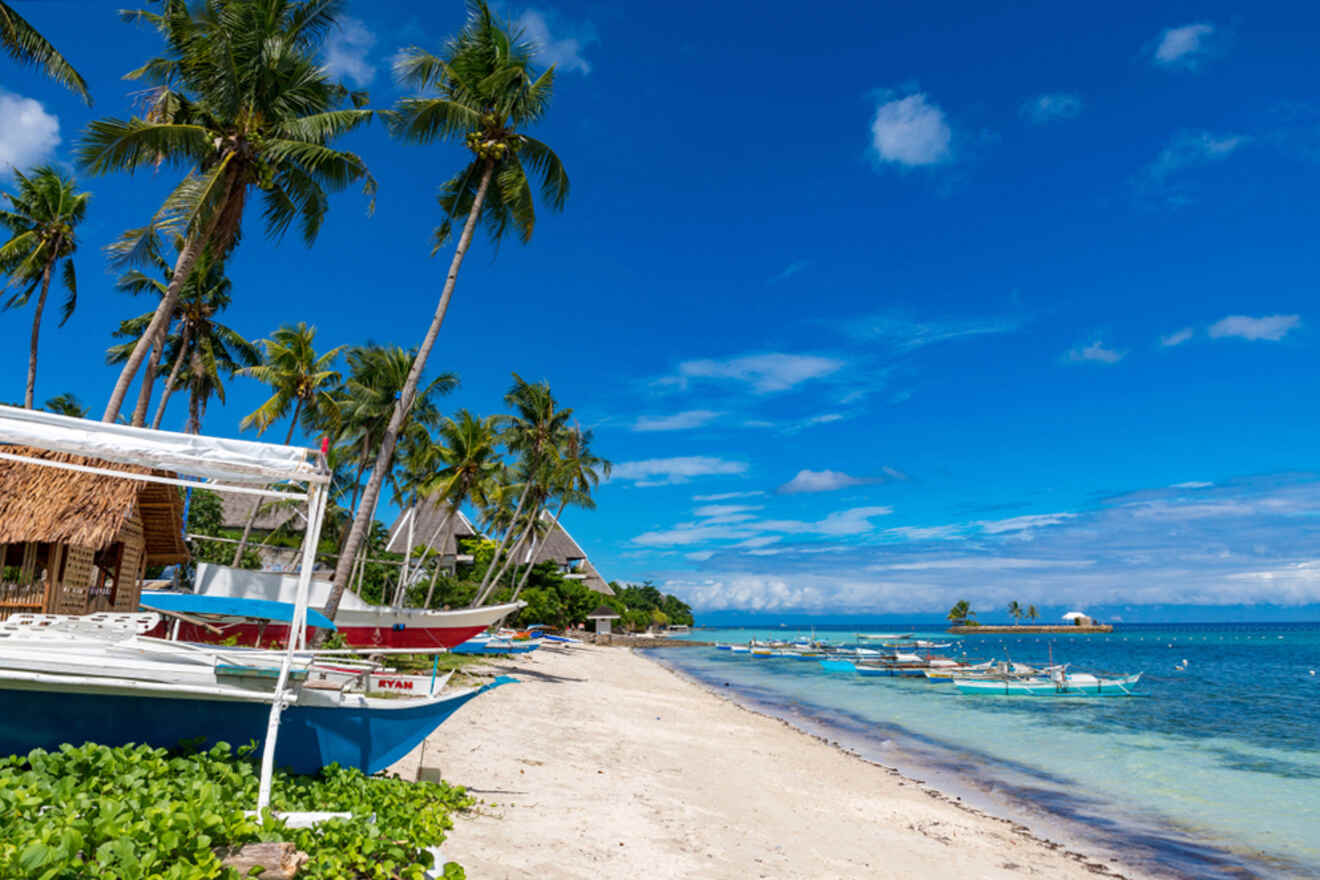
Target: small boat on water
1057 683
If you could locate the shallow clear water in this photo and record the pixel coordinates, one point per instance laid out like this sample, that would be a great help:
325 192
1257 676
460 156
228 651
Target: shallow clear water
1209 772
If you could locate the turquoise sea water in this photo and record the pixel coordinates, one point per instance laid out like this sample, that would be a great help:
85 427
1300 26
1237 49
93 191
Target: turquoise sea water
1209 772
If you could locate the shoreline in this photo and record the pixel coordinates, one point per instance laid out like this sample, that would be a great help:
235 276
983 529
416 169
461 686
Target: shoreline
606 761
917 758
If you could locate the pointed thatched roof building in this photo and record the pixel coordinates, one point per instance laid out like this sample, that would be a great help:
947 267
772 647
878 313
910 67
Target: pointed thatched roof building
73 542
433 527
558 546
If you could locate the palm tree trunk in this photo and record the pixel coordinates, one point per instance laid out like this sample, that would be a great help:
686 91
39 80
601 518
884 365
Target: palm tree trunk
192 248
36 330
174 376
194 394
512 558
499 548
256 506
386 453
148 380
554 524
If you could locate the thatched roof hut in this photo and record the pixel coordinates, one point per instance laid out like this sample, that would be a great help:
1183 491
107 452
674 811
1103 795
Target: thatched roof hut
558 546
56 506
73 542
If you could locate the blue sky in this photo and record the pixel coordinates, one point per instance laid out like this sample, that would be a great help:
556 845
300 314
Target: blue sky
872 312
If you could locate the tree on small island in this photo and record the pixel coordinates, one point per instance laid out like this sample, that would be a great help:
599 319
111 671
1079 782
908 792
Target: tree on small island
1032 613
960 612
1015 611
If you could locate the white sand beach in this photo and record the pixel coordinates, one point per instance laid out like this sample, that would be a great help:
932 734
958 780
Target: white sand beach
601 763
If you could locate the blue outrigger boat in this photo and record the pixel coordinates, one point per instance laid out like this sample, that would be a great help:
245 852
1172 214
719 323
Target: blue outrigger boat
97 677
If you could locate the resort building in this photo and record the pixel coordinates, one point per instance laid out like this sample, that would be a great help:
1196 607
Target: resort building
558 546
432 527
555 545
73 542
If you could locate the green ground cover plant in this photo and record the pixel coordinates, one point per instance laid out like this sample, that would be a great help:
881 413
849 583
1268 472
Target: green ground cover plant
139 813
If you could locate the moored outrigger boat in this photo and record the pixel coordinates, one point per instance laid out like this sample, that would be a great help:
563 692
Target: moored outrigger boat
72 679
1056 682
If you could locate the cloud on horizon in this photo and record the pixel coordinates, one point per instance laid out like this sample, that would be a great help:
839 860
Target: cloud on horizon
1247 541
30 133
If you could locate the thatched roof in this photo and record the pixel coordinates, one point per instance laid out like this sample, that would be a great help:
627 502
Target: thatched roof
558 546
235 510
604 612
431 516
53 505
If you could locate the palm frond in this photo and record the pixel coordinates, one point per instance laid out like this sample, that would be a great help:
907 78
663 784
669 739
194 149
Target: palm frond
25 44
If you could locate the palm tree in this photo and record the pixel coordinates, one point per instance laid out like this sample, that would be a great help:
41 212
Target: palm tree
1015 611
1032 613
241 100
960 611
578 474
535 432
481 91
213 352
24 44
67 404
41 220
468 462
300 378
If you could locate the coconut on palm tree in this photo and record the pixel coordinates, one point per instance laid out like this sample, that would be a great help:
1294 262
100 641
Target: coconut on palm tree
41 220
481 91
241 101
25 44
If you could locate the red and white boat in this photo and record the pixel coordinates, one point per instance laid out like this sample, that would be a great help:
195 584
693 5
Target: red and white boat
362 625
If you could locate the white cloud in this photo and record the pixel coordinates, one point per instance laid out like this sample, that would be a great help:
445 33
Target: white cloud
925 533
564 52
666 471
1190 149
1096 352
765 373
723 510
700 555
904 334
346 52
1051 107
693 418
1270 327
753 533
28 134
911 131
725 496
790 270
1177 338
1184 47
1024 523
819 481
1192 484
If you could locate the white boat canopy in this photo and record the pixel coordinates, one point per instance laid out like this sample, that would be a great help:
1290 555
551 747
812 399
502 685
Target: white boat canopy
211 458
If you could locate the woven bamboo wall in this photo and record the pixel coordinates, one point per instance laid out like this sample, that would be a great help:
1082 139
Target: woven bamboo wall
70 595
129 589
